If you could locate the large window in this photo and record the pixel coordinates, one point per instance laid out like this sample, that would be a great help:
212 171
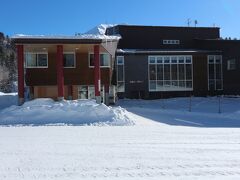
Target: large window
104 60
215 81
120 74
170 73
36 60
69 59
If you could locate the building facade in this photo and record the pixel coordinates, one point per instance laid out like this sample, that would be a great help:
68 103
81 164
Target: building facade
148 62
159 62
65 67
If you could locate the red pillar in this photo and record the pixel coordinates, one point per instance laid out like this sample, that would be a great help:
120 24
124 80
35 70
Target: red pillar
97 75
20 60
60 78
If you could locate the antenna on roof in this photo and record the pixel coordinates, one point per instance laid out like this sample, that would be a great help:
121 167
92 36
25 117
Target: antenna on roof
214 25
195 23
188 22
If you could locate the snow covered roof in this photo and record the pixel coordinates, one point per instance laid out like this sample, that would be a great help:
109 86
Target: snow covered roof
133 51
97 33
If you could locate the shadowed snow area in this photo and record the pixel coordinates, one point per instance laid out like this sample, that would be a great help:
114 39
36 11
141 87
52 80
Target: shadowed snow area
205 111
7 99
78 112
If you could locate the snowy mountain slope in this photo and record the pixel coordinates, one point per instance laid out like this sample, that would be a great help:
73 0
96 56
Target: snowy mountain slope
100 29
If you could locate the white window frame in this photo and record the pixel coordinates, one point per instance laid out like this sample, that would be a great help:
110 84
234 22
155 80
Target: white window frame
170 57
214 63
35 67
74 59
123 64
109 66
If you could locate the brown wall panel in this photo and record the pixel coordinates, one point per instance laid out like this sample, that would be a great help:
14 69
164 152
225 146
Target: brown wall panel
82 74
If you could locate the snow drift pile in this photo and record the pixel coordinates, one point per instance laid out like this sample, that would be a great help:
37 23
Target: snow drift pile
7 99
77 112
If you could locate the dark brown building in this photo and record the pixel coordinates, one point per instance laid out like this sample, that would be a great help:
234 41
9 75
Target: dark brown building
157 62
147 62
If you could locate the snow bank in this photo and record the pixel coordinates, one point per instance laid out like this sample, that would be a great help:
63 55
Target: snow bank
77 112
7 99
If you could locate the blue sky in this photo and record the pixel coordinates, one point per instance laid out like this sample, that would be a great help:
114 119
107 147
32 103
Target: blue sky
69 16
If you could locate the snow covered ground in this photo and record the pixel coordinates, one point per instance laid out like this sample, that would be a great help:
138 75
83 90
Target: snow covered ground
166 142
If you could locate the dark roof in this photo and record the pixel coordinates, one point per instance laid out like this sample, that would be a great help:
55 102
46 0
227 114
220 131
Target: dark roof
55 41
166 51
162 27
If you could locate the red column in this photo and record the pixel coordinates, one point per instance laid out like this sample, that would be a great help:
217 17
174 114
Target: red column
20 60
60 78
97 75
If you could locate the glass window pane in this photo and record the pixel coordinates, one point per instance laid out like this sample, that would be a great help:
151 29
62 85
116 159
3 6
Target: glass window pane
174 71
212 85
217 59
167 83
152 72
181 73
159 84
152 60
166 59
120 72
174 84
188 71
210 59
120 60
104 60
68 60
188 60
120 86
181 59
189 84
211 71
218 71
160 71
152 85
42 60
166 71
31 60
182 84
174 59
159 60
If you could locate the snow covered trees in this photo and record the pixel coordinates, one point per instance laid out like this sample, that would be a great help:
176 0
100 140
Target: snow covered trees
8 64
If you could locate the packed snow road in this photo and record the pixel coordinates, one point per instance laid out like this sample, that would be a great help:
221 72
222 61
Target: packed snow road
119 152
148 140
